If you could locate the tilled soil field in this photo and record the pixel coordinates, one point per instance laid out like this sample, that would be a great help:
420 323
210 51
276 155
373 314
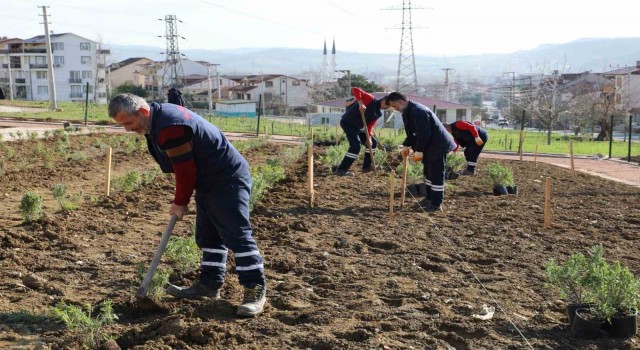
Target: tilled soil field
341 275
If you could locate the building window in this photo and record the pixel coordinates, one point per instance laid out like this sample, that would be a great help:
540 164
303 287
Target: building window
442 115
284 81
87 74
15 62
85 46
43 90
74 77
84 89
85 59
41 60
460 114
295 83
58 60
248 96
41 74
268 84
268 96
76 91
57 46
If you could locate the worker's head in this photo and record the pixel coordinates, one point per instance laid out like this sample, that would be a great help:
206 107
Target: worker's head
383 104
447 126
396 100
132 112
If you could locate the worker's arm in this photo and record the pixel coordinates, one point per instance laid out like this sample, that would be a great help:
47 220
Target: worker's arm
464 125
176 142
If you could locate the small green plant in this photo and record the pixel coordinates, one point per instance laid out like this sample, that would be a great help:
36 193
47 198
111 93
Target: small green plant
500 175
617 292
78 156
414 171
19 134
290 155
184 253
31 206
90 328
455 163
32 135
60 194
333 155
243 146
9 152
148 176
158 281
47 134
129 182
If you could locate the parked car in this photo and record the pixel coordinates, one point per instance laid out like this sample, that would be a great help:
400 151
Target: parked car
503 122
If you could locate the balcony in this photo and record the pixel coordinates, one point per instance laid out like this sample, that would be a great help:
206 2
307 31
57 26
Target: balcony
75 81
38 65
35 50
21 81
4 81
13 66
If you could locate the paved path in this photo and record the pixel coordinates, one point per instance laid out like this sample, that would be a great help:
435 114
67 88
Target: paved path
624 172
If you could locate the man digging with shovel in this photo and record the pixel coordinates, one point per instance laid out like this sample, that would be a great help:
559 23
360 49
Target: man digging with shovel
351 123
203 160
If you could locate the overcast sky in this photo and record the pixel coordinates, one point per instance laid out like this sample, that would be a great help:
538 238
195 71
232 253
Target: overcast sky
450 27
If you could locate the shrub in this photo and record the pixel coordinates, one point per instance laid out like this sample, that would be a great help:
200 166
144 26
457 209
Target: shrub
158 281
9 152
149 176
31 206
60 193
78 156
79 320
500 175
455 163
333 155
129 182
184 253
414 172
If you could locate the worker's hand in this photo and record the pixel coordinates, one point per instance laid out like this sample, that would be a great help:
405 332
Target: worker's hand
362 106
479 141
368 143
178 210
405 151
417 156
457 148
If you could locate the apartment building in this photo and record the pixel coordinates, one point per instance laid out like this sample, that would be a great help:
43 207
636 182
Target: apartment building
78 66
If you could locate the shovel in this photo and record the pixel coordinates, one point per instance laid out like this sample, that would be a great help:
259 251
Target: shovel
146 282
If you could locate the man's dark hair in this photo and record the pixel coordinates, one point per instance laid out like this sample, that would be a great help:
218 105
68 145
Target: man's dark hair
395 96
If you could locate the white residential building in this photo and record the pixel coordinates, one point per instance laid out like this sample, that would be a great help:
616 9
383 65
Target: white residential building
626 87
280 92
76 60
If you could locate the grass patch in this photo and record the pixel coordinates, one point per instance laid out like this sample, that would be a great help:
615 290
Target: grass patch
246 145
128 182
31 206
264 176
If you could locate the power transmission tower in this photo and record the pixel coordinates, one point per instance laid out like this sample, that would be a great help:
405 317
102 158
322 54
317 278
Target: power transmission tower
407 79
52 82
173 73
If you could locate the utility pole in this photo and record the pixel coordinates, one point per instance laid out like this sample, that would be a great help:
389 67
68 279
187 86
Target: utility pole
511 91
52 82
218 80
10 78
209 92
446 82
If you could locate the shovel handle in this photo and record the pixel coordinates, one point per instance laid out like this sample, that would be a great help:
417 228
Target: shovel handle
142 291
366 132
405 169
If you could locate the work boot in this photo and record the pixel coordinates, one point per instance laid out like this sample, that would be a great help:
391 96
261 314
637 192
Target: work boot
430 208
253 302
467 172
342 172
197 290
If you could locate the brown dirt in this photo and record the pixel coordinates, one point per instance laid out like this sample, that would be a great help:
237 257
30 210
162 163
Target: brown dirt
342 275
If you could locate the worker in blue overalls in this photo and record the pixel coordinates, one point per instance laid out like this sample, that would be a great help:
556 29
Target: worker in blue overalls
203 160
472 138
430 143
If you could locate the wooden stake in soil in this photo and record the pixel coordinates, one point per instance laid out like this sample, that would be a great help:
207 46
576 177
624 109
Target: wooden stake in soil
392 189
366 132
310 177
521 144
405 170
535 156
547 203
573 169
107 184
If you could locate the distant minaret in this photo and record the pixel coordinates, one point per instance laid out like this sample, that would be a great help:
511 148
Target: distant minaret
325 65
334 64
